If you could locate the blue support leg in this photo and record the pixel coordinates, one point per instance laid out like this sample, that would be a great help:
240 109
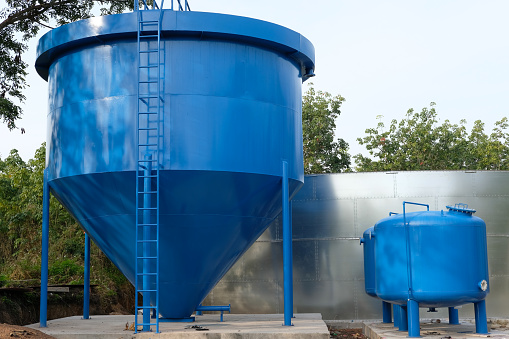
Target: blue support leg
287 250
44 253
403 319
414 330
454 318
387 314
396 314
481 321
86 283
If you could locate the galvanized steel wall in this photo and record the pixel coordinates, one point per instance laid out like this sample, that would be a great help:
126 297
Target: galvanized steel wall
329 215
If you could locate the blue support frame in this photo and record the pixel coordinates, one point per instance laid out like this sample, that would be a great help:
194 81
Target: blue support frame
86 283
43 315
287 250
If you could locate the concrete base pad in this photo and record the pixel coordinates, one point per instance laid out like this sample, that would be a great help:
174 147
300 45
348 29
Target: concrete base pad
379 330
251 326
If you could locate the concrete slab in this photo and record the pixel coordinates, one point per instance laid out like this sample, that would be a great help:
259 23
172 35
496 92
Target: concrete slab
434 330
241 326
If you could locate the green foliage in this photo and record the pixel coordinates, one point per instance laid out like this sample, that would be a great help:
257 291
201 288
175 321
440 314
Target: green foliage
418 142
20 232
321 153
21 21
63 270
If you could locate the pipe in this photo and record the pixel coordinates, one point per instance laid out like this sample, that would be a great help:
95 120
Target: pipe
408 249
481 321
287 251
414 330
86 283
454 318
387 314
221 309
43 315
202 308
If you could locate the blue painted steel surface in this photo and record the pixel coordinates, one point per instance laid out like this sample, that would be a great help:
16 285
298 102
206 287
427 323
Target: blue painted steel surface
481 323
454 318
448 257
368 239
43 314
397 316
413 319
86 280
232 103
386 312
287 249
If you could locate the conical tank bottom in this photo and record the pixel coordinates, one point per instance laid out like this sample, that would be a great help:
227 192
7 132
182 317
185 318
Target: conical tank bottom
207 221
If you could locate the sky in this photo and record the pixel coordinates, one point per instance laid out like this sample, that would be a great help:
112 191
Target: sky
384 57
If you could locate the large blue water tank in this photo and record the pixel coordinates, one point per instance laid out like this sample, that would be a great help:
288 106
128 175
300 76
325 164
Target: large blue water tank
232 114
437 258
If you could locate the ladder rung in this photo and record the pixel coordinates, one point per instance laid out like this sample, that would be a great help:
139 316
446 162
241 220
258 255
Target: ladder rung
148 192
140 274
147 208
152 160
150 66
148 96
147 176
143 241
150 51
149 82
147 290
143 22
147 129
147 112
146 324
149 36
147 257
146 145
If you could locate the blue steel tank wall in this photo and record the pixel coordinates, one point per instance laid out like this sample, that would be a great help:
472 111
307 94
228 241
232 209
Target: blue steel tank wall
231 115
330 214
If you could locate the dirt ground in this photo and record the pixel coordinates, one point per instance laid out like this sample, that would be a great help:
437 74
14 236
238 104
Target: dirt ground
346 333
14 331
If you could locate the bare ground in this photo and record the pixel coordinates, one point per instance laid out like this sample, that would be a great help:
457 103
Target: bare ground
346 333
14 331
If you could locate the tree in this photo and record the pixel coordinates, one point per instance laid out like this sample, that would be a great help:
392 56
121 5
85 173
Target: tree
418 142
24 19
321 153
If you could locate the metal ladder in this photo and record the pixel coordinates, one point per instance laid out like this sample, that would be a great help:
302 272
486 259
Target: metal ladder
148 137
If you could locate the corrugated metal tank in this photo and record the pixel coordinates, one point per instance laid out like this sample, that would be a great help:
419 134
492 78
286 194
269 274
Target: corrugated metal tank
331 212
232 114
437 258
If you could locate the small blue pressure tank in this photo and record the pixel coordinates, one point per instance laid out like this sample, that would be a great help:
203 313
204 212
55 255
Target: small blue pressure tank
428 259
439 259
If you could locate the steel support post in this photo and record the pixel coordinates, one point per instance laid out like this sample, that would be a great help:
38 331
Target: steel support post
403 319
44 252
86 283
454 318
396 315
387 312
414 330
481 321
287 250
